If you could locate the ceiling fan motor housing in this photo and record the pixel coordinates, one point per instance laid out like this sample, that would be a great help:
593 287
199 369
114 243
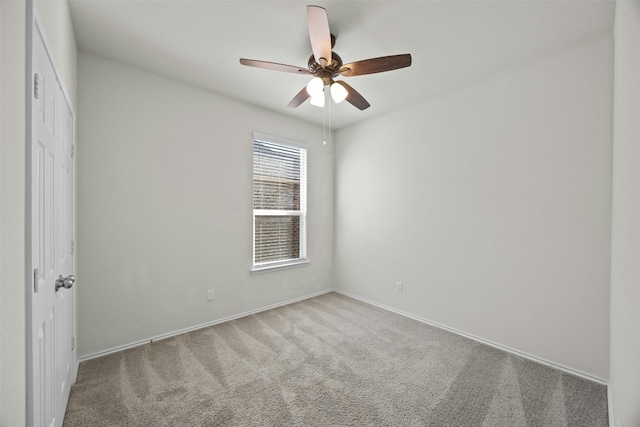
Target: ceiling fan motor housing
327 73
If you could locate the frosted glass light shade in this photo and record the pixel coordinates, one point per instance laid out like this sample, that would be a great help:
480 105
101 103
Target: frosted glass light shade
315 87
318 100
338 92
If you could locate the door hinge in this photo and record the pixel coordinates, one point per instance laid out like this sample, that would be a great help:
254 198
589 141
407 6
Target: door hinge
73 343
36 86
36 279
73 246
73 150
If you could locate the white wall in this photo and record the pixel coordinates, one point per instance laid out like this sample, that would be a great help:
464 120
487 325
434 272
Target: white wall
492 205
625 270
164 207
12 217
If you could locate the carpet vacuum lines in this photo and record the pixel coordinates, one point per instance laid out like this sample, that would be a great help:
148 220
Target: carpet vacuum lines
330 360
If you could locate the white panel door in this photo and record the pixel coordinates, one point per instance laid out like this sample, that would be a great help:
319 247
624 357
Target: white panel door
52 310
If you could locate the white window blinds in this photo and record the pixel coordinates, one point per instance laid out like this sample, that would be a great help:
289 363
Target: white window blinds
279 203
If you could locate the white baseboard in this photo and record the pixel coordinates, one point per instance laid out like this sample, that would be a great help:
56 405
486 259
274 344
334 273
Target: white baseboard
610 407
482 340
385 307
196 327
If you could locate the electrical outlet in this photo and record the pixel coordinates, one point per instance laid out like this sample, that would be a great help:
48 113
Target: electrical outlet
210 295
398 286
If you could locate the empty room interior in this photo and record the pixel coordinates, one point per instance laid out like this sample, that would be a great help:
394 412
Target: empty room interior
456 243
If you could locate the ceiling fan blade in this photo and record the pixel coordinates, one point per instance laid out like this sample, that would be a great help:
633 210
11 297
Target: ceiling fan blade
299 98
274 66
376 65
354 97
319 34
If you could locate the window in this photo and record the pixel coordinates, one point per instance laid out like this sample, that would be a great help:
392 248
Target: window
279 203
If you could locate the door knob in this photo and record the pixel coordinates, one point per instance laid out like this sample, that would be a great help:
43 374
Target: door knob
65 282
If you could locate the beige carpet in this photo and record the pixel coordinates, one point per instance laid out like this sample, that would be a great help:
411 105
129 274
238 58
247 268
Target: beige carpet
327 361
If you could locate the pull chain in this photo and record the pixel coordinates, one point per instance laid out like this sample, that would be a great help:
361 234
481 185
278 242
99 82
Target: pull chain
327 111
324 124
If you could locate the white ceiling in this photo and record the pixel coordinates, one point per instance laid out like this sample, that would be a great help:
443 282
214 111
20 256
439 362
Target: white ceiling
451 42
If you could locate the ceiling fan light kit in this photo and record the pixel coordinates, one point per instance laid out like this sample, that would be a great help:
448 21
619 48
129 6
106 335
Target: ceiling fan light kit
318 100
315 87
338 92
325 65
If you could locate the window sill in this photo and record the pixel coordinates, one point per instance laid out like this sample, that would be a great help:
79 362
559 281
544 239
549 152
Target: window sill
282 266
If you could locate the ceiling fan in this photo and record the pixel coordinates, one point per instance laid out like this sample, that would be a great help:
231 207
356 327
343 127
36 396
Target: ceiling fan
325 65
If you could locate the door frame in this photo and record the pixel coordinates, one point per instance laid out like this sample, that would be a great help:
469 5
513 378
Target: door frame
33 27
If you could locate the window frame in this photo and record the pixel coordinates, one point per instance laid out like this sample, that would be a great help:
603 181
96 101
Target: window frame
302 260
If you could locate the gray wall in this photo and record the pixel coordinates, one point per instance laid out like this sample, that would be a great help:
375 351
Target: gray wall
165 207
12 215
625 268
492 205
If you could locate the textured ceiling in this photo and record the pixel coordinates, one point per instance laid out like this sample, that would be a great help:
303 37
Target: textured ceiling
452 43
